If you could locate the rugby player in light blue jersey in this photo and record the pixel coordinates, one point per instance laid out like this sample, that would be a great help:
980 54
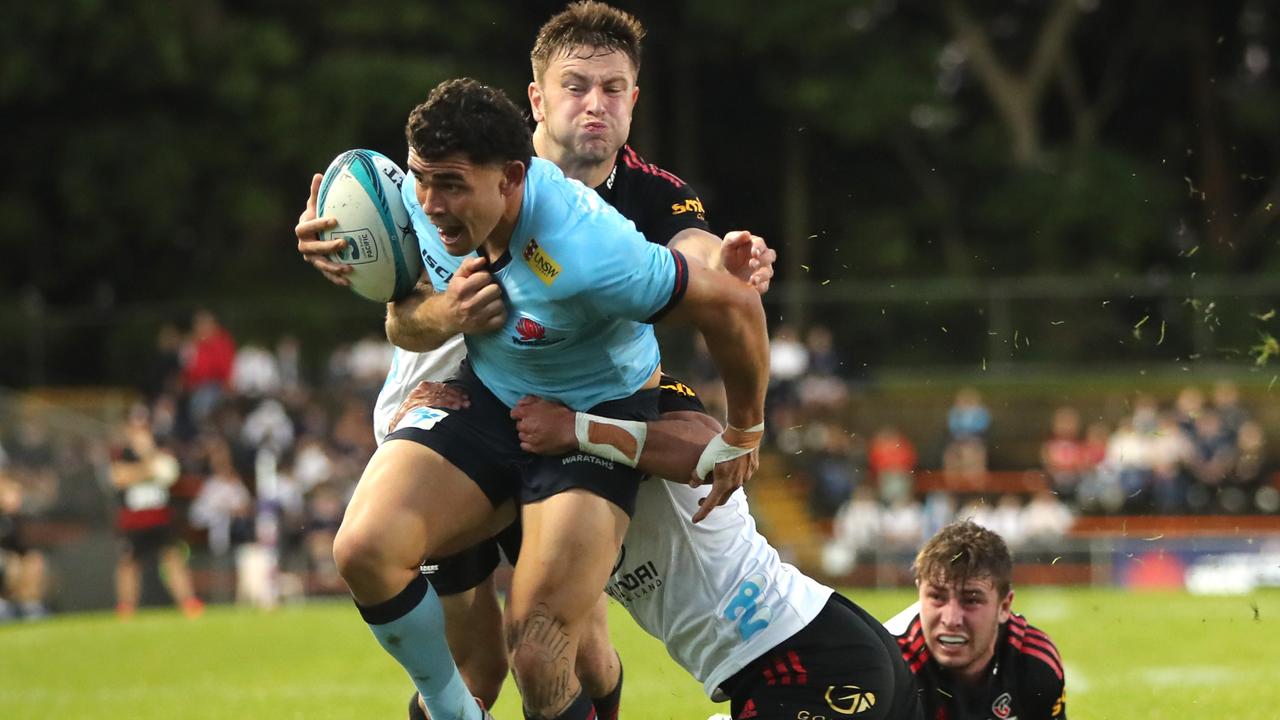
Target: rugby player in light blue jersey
576 284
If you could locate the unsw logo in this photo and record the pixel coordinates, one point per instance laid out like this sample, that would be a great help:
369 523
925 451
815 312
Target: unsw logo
540 262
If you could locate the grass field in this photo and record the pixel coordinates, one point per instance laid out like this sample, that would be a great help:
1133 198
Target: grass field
1127 655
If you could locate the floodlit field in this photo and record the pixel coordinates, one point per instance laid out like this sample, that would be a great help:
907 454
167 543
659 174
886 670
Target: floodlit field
1127 656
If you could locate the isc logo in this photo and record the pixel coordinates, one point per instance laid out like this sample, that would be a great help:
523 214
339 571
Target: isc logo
744 607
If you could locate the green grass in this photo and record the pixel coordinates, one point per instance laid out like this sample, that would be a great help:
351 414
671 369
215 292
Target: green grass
1128 656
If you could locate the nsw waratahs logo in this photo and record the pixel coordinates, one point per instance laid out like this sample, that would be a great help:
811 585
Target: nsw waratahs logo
532 332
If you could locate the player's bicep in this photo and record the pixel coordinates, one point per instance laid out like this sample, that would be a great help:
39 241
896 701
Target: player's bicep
637 280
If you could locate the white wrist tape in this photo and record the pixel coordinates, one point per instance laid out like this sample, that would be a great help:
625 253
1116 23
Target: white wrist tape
618 440
721 450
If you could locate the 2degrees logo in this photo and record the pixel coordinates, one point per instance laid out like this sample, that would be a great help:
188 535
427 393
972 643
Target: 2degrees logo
744 608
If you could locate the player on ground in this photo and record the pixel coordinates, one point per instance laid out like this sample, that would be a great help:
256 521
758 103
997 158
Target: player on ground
973 656
577 281
585 66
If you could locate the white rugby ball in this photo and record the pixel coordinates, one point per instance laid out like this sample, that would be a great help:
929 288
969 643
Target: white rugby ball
361 189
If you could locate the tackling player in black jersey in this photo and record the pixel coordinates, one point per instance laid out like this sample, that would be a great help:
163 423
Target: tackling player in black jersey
974 658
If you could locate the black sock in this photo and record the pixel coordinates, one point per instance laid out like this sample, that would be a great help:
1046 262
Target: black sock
579 709
607 706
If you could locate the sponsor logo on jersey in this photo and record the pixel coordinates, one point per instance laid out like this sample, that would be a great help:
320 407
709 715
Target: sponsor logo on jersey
849 699
435 267
629 586
1003 706
541 263
679 388
360 247
692 205
744 607
1057 706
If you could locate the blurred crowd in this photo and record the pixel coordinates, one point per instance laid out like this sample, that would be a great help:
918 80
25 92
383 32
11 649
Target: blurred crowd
881 485
228 460
232 463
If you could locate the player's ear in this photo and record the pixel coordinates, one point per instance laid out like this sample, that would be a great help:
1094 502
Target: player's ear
512 177
1006 607
535 103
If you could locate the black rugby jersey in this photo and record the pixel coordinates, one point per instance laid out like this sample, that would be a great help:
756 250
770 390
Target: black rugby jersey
1024 681
659 203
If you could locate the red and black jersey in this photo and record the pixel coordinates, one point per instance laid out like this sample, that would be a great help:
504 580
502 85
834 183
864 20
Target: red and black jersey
143 505
1024 681
659 203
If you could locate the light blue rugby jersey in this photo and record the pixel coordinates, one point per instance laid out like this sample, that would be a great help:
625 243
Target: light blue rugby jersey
579 282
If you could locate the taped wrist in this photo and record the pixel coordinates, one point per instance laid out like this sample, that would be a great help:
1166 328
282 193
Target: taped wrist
733 443
618 440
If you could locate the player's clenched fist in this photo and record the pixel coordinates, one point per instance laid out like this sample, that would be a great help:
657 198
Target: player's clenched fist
475 298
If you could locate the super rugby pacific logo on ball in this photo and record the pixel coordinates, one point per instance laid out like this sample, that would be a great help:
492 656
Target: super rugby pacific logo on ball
361 190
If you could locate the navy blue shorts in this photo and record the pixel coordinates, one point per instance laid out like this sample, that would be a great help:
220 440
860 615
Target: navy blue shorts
481 441
465 570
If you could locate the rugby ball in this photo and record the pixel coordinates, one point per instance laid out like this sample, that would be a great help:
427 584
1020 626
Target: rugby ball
361 189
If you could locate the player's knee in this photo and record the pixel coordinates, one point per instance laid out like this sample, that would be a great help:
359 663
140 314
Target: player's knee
356 553
540 646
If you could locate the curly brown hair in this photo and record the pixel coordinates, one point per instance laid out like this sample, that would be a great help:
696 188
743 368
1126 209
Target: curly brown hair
590 25
965 550
467 117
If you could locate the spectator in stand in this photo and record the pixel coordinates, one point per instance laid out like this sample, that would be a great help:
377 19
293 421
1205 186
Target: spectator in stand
1212 460
835 467
1094 448
255 372
938 511
788 362
209 357
891 458
1188 406
1247 477
1171 454
856 532
1006 519
289 363
1146 414
823 358
968 421
325 505
22 567
903 526
1061 455
1226 402
1046 520
142 473
1125 478
165 373
223 507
